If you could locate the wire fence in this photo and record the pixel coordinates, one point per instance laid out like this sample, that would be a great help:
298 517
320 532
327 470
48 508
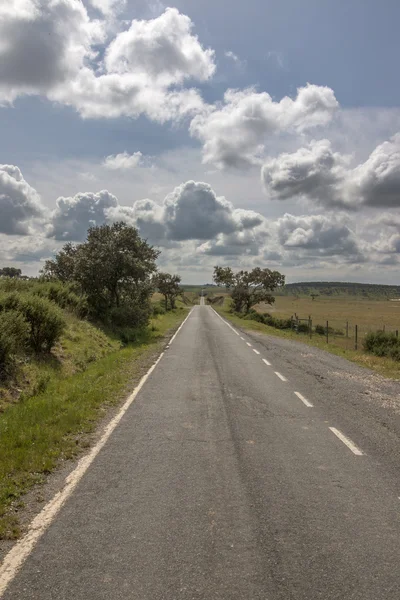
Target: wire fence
343 333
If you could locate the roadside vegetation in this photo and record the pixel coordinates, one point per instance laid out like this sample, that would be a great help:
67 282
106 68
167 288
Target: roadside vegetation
72 343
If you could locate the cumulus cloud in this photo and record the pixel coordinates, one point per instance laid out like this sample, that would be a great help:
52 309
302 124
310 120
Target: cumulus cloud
123 161
52 48
43 45
314 171
108 7
192 211
318 235
376 182
321 175
234 132
74 215
20 203
161 51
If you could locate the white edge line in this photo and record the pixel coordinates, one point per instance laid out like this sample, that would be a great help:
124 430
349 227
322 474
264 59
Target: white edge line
248 343
242 338
346 441
304 400
256 351
281 377
179 328
266 362
14 560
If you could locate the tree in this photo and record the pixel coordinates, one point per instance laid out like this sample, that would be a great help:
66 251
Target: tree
10 272
63 265
113 267
249 287
168 286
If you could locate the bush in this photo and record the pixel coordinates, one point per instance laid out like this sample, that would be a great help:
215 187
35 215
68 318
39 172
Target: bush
158 309
303 328
46 322
381 343
132 315
320 329
64 295
14 332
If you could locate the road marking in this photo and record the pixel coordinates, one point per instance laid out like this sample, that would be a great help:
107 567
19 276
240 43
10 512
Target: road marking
226 322
266 362
179 328
242 338
248 343
281 377
346 441
14 560
256 351
304 400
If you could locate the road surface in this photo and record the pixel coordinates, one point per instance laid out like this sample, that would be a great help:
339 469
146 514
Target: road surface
225 479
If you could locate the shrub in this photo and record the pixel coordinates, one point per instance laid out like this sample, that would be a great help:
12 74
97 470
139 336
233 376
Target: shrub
158 309
14 332
132 315
303 328
382 344
64 295
320 329
46 322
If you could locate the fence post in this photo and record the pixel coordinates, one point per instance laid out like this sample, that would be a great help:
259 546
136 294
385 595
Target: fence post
310 326
397 333
356 337
327 332
347 329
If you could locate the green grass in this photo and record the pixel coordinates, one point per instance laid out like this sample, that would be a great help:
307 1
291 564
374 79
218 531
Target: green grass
384 366
40 431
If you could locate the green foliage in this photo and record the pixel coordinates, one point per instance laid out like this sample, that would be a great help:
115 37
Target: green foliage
10 272
168 286
320 330
14 332
113 269
249 287
381 343
46 322
64 295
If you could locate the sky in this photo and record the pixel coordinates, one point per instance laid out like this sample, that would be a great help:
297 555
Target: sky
256 134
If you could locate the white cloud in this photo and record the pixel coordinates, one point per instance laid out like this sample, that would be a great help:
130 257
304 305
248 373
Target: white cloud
108 7
376 182
318 235
234 132
323 176
74 215
123 161
50 48
160 52
20 204
43 45
314 171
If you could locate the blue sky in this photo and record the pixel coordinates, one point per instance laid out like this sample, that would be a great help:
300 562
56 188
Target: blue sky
106 103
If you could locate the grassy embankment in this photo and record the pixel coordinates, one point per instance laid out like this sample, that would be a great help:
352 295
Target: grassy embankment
370 315
54 402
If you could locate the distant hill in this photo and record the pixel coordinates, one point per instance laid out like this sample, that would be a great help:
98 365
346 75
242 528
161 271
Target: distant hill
340 289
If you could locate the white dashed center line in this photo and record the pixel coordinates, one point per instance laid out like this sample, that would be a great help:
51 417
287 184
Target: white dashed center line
281 377
346 441
266 362
304 400
256 351
248 343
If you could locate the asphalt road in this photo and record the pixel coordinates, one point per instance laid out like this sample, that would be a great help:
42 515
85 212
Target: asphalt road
221 483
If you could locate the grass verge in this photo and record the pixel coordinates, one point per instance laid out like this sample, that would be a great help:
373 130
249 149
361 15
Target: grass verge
37 433
384 366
